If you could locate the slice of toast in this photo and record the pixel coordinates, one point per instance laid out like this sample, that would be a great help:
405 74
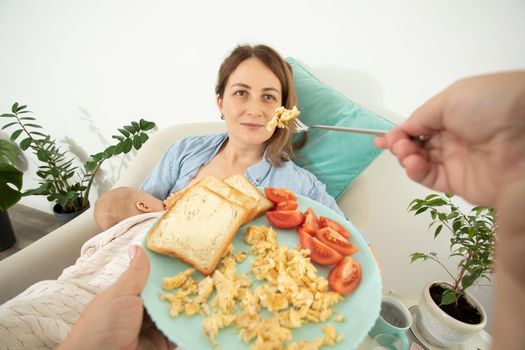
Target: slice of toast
241 183
172 198
231 194
225 190
198 228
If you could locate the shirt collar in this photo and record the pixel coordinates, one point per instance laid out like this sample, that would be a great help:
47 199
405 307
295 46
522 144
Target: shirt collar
215 148
258 172
255 173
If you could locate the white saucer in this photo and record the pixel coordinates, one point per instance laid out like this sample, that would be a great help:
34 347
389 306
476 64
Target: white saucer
419 337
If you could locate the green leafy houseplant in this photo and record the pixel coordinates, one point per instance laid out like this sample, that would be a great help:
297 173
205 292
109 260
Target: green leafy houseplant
10 175
60 179
472 240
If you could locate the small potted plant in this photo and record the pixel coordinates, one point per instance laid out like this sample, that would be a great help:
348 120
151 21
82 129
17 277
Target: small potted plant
10 191
61 180
447 314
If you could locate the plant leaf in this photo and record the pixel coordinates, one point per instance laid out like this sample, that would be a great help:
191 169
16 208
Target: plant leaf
135 126
8 152
438 230
129 128
33 125
469 279
10 185
108 152
15 135
430 196
119 148
42 155
124 132
25 143
457 225
90 166
126 147
452 215
144 137
417 256
118 137
146 125
448 297
421 210
436 202
136 142
8 125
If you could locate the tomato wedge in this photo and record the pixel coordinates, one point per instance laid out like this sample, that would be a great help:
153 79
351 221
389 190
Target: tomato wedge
310 224
326 222
334 240
320 253
344 278
286 205
278 195
285 218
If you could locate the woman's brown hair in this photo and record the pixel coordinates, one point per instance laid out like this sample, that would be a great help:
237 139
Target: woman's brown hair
279 147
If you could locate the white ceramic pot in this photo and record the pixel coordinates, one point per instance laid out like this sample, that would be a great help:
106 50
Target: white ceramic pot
438 327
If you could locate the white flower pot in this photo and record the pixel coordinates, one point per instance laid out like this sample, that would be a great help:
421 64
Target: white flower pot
438 327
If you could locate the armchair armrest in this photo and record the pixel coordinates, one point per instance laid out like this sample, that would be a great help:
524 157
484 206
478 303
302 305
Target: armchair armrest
47 257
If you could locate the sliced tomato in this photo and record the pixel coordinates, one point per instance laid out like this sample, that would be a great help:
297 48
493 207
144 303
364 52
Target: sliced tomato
310 224
334 240
320 253
278 195
326 222
286 205
345 277
300 229
285 218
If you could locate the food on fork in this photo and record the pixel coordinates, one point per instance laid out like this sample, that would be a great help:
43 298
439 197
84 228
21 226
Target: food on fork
282 117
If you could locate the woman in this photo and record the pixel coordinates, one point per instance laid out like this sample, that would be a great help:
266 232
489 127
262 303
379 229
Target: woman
252 83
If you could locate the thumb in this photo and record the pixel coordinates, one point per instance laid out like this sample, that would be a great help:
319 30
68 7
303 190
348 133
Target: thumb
133 280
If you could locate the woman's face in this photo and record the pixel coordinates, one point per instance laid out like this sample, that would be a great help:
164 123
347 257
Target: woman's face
251 95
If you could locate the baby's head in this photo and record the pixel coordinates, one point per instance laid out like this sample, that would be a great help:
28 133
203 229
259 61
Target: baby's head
121 203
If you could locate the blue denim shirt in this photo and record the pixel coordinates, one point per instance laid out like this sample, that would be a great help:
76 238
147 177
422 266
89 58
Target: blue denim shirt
183 159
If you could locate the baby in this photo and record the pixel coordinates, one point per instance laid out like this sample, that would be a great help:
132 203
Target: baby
121 203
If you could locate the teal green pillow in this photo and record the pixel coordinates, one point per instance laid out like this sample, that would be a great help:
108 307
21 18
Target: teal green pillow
336 158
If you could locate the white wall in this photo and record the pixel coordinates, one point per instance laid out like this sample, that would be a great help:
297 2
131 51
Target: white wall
86 68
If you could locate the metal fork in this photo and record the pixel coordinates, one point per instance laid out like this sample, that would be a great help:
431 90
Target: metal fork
301 127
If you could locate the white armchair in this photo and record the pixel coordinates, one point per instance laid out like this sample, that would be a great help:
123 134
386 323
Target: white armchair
47 257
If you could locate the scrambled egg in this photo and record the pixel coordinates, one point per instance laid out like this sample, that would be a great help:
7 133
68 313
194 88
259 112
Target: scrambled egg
289 288
282 117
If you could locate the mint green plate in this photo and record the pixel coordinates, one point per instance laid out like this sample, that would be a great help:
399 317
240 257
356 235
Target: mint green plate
360 309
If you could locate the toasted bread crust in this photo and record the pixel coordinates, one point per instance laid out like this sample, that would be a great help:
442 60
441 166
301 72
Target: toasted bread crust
250 203
233 195
263 203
